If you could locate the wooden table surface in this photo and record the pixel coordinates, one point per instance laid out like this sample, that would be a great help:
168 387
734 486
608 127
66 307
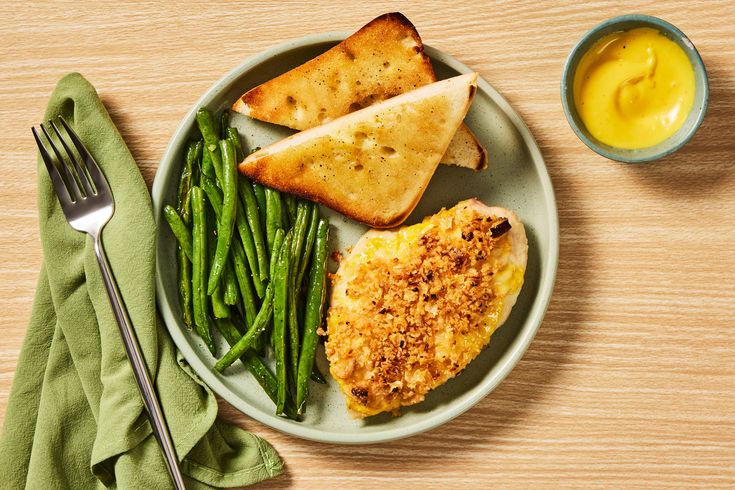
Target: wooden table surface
631 378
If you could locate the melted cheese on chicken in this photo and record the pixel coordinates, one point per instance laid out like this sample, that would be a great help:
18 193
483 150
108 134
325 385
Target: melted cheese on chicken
411 308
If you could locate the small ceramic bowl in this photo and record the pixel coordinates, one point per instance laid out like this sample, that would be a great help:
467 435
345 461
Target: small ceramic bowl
671 144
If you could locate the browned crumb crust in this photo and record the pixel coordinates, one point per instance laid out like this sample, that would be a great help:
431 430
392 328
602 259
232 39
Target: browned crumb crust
444 284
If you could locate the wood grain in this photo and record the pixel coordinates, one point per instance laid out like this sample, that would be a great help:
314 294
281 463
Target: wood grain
630 381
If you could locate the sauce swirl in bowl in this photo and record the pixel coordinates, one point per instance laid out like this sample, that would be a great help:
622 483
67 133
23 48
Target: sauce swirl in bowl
634 89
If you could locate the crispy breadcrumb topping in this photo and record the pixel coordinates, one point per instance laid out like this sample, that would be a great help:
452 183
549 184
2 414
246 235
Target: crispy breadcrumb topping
409 292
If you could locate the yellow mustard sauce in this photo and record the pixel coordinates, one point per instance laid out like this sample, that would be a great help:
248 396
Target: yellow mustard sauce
634 89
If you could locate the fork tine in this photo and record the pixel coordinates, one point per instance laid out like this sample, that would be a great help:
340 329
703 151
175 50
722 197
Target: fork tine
62 191
83 176
73 184
93 169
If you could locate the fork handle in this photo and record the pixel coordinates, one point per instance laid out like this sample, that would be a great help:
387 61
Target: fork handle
132 348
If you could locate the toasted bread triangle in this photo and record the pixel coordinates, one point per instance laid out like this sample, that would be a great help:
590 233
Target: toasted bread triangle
381 60
374 164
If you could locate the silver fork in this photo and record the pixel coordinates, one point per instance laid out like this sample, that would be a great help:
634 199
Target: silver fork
87 202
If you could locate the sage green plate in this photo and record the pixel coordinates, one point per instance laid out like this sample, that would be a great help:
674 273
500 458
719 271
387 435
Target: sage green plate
516 178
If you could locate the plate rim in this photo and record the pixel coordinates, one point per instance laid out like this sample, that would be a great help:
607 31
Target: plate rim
504 365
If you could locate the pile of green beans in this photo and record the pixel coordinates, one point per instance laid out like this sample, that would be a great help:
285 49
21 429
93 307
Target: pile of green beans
251 266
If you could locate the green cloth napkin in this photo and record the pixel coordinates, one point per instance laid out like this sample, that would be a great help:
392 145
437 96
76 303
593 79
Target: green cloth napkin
75 418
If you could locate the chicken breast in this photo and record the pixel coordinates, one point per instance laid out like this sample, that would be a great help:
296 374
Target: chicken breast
411 308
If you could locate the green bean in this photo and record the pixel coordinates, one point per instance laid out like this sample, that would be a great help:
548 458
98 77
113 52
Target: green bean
217 298
229 330
290 203
292 324
268 381
219 307
207 127
214 194
317 375
239 325
179 229
286 223
199 255
215 199
224 124
185 292
186 181
256 228
315 294
257 328
277 243
215 125
299 231
230 281
227 220
259 192
308 242
260 343
261 320
257 368
234 136
243 279
263 375
207 165
273 215
300 227
193 154
280 306
250 248
216 157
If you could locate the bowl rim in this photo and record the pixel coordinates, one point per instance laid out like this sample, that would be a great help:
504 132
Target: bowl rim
503 366
566 87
